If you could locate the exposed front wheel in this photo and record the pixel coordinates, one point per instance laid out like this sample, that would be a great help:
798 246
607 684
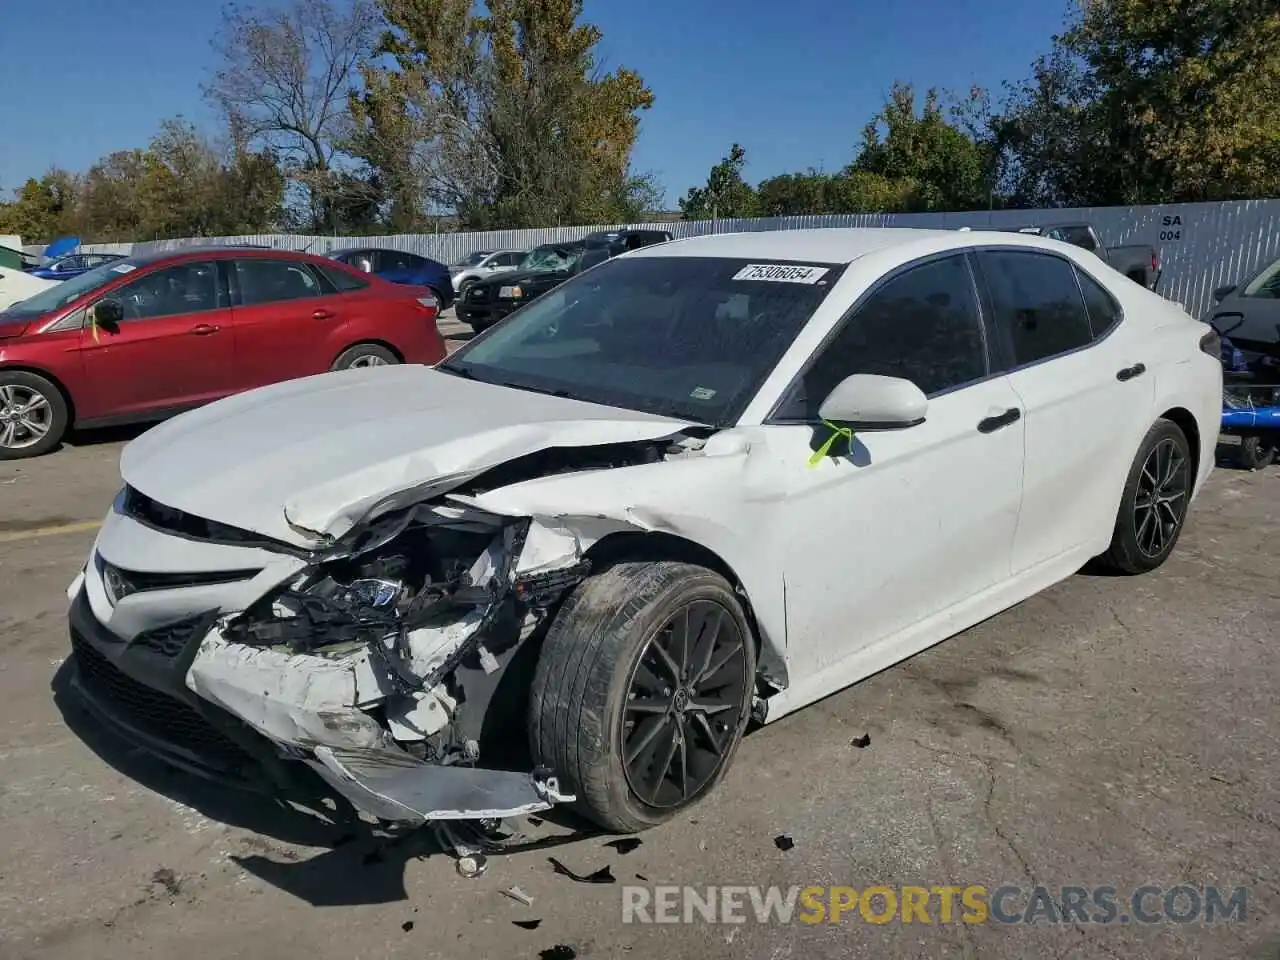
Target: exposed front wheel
642 691
1153 507
364 355
33 415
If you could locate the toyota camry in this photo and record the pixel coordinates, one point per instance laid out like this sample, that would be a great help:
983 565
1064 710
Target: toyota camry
696 487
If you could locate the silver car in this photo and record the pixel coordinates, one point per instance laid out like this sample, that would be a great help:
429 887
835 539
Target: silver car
482 264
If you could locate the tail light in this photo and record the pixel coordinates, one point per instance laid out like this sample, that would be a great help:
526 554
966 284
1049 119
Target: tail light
1211 343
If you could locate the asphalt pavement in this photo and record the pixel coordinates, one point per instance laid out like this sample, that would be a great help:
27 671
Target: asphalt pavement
1110 732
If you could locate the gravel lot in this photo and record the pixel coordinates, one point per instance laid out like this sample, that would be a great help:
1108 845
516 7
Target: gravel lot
1110 731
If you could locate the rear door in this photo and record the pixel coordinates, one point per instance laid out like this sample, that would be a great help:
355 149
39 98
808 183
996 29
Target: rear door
285 311
173 348
1080 373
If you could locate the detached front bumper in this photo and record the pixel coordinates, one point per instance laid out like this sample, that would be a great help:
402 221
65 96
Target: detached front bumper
261 717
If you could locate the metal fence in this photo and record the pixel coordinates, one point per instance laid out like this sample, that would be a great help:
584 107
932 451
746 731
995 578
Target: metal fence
1202 246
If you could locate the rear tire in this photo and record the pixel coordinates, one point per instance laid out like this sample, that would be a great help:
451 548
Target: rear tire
599 716
1153 507
364 355
1255 453
33 415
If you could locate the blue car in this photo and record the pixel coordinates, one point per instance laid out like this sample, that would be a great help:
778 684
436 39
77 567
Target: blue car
398 266
64 268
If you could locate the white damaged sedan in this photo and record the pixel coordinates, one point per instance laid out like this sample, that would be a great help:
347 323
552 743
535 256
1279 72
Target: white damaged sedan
702 483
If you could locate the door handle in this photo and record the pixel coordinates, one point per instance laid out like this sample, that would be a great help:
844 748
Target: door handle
204 329
1128 373
321 314
999 421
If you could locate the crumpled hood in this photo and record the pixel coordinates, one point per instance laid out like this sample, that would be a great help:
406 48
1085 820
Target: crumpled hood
302 461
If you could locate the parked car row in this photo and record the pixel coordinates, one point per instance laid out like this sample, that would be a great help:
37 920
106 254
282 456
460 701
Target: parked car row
697 484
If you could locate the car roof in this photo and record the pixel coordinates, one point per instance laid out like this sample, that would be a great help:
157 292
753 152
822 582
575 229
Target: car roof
345 250
220 251
833 244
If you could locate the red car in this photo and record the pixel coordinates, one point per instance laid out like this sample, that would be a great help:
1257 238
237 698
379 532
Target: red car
148 336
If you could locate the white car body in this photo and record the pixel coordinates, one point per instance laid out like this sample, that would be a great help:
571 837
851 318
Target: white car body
498 262
848 565
17 285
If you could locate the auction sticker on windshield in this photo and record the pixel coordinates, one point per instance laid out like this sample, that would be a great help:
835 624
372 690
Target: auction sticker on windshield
124 268
781 273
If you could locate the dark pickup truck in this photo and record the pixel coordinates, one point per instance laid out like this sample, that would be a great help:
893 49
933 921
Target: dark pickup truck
1137 261
544 268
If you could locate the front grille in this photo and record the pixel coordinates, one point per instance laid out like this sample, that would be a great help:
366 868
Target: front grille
171 639
152 712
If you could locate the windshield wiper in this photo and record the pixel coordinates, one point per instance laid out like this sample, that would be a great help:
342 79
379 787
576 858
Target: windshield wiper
565 394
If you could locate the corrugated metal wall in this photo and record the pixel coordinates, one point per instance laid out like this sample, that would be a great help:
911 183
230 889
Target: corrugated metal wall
1202 245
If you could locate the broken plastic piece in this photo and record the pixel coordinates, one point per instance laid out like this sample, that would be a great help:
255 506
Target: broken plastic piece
624 844
518 895
395 786
527 924
558 952
783 842
861 742
603 875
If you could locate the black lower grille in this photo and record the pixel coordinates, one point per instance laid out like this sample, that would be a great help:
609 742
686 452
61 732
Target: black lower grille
152 712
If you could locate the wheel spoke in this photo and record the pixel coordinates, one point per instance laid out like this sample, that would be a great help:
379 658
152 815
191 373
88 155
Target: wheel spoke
37 402
8 433
727 654
709 707
1143 535
649 705
705 647
648 681
684 759
668 664
700 719
7 396
644 740
680 640
662 755
34 428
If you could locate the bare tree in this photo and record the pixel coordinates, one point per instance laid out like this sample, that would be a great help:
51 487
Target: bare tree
283 79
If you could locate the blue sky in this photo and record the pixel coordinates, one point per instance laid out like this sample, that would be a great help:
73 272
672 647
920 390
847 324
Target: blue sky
793 82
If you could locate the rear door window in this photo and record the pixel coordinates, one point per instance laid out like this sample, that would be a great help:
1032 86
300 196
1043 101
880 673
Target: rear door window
1037 303
343 281
275 281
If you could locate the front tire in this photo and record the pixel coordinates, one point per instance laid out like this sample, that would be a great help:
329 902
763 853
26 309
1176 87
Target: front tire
642 691
33 415
1154 504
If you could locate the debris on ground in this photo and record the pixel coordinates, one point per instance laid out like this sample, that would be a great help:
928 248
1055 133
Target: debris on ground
169 880
407 926
642 878
558 952
527 924
861 742
624 844
518 895
603 875
535 821
783 842
473 865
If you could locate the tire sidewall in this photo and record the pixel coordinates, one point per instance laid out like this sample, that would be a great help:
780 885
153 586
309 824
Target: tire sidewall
352 354
657 612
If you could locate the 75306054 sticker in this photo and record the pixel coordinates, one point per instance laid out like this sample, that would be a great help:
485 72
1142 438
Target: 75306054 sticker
781 273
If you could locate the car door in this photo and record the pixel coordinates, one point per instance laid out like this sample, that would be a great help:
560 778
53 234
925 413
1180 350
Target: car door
903 524
502 262
284 313
1250 315
172 348
1080 376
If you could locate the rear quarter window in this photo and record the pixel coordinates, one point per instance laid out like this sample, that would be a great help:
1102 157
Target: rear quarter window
343 281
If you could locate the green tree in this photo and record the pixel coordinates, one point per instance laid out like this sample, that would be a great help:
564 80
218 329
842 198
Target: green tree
948 169
503 115
1148 101
726 194
43 209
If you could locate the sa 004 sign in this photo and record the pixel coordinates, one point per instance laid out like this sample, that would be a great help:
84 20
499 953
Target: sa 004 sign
1171 227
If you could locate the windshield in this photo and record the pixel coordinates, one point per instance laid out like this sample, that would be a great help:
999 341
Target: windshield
685 337
473 259
55 298
545 259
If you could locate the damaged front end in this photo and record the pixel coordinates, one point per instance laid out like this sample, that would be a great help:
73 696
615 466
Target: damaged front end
390 664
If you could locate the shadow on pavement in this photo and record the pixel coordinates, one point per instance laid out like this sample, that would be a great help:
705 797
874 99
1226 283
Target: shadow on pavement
359 863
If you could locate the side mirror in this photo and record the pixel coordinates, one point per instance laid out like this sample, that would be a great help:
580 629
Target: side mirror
871 401
107 314
1223 292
